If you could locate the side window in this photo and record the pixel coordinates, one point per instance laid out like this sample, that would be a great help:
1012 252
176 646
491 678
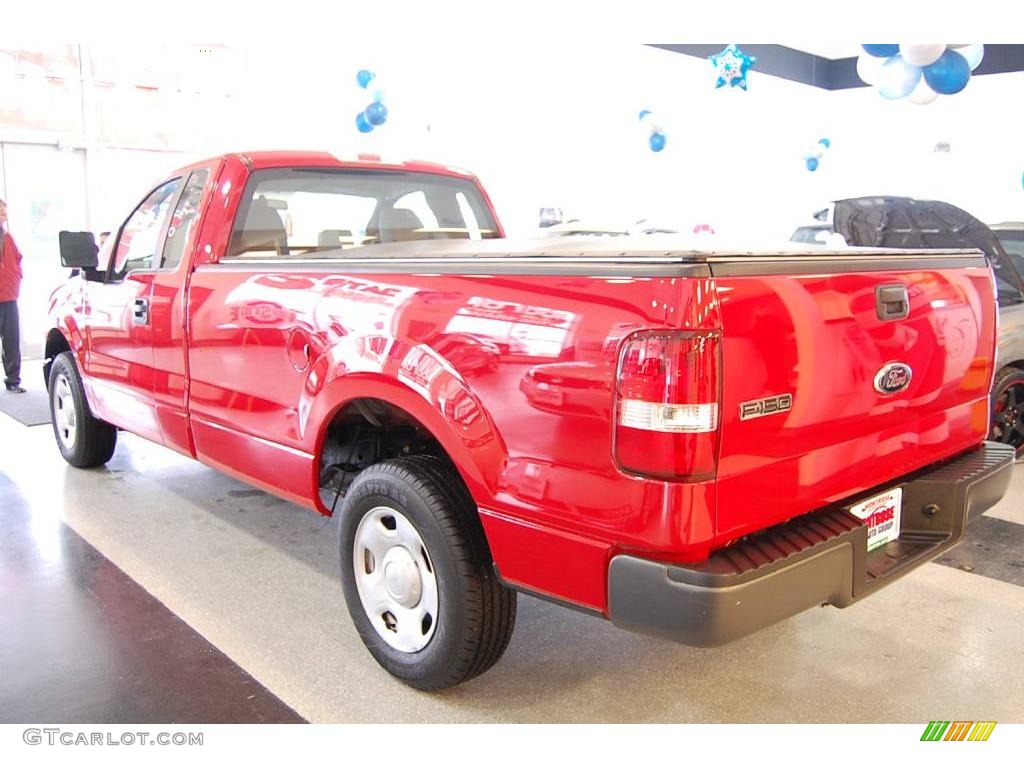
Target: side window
1008 288
1007 292
1017 259
140 235
183 220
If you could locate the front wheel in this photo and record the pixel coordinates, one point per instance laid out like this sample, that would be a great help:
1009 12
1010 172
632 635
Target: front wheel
417 574
83 440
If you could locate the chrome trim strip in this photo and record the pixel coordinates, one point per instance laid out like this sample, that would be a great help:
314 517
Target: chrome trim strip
254 438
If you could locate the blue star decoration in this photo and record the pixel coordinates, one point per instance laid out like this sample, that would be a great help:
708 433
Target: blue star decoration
731 65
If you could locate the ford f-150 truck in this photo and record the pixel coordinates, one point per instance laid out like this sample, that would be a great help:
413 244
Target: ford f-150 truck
693 444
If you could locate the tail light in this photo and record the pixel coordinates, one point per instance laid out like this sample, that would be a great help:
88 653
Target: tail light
667 403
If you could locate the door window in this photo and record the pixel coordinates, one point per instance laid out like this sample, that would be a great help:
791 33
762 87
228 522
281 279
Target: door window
186 213
139 237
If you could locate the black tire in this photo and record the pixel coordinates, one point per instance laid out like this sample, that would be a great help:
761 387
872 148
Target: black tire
1008 409
91 442
476 613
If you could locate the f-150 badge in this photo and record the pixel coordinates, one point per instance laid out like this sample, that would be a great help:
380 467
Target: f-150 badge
755 409
893 378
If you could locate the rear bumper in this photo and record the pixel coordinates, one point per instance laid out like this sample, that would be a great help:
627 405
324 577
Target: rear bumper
817 559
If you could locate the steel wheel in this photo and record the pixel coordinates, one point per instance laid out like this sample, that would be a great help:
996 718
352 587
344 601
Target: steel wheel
395 579
418 575
65 415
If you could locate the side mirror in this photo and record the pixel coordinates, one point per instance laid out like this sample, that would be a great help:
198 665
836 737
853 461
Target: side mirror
78 250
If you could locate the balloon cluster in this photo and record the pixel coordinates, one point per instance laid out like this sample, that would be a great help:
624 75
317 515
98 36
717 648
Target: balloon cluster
376 113
920 71
656 138
813 156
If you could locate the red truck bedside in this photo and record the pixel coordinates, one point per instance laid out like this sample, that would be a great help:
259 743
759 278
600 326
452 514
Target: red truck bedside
676 440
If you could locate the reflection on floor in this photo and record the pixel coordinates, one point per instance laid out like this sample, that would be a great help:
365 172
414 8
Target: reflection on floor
83 643
254 583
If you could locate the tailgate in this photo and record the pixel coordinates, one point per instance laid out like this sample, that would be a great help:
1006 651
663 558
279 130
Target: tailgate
831 388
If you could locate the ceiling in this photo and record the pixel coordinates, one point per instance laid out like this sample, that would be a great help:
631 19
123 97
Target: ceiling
828 50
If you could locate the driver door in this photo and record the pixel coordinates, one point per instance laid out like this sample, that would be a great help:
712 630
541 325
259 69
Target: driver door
118 368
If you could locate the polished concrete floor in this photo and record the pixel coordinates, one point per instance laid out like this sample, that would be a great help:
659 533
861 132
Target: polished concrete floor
256 580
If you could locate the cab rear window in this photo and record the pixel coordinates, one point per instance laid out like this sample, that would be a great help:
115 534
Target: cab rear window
312 213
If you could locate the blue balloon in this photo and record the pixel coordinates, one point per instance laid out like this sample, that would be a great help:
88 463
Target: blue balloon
376 113
644 113
949 74
897 78
812 163
363 77
657 142
826 143
882 50
363 124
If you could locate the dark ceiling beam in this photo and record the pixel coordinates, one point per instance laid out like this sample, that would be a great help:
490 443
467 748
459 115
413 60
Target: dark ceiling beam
836 74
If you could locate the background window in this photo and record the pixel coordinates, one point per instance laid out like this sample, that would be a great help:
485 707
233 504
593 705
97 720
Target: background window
1013 244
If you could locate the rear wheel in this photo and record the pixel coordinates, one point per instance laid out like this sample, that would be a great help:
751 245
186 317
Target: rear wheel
1008 409
418 577
83 440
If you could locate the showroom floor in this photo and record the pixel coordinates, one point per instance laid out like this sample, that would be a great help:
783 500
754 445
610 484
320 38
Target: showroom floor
157 590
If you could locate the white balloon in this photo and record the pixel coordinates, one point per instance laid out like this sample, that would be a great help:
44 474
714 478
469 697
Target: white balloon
378 89
869 68
973 53
922 94
651 124
921 54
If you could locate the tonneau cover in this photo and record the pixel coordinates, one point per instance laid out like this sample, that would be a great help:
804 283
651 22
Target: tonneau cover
650 248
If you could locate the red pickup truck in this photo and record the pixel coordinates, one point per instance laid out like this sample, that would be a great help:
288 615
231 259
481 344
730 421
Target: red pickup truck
693 444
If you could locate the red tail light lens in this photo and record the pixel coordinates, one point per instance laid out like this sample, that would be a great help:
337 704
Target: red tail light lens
667 402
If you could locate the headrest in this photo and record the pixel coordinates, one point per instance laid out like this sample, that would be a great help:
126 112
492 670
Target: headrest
331 238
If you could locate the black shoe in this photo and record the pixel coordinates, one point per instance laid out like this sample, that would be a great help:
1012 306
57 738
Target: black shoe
16 389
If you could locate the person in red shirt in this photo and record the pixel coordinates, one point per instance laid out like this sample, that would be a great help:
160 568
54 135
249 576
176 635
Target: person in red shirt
10 283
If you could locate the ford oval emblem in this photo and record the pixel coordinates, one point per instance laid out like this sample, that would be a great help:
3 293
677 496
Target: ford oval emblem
893 378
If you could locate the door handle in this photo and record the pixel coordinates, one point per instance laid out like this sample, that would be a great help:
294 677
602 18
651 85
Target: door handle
140 312
892 302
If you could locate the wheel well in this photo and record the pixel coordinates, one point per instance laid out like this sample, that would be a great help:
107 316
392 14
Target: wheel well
55 344
364 432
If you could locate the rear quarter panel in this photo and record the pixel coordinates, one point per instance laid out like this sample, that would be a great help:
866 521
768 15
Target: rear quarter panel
553 504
